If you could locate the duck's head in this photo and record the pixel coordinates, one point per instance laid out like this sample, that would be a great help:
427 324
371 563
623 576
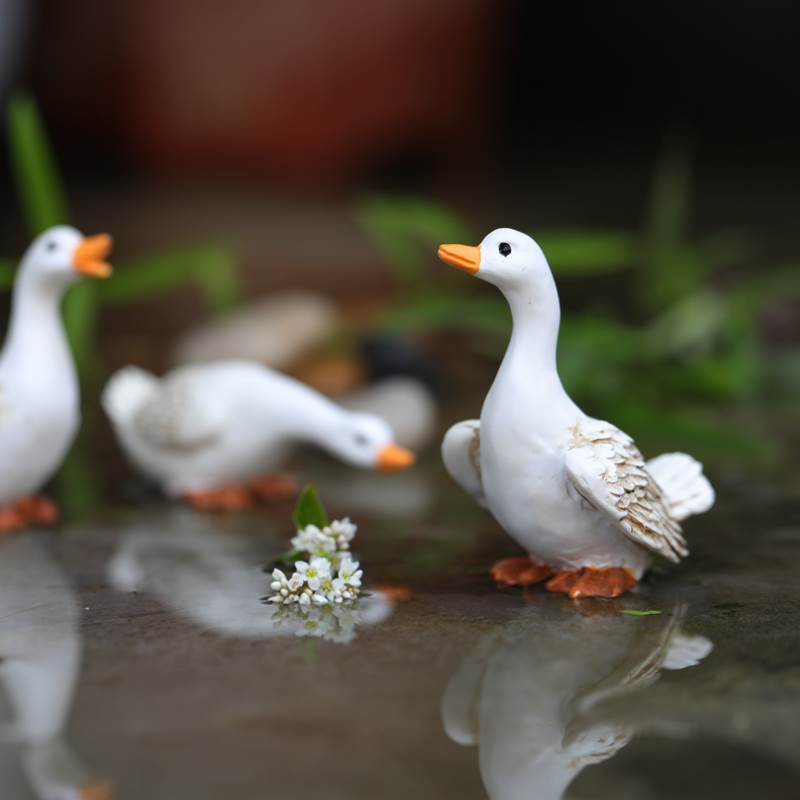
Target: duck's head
367 441
506 258
62 254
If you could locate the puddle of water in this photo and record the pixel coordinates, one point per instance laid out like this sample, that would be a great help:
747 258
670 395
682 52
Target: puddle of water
138 651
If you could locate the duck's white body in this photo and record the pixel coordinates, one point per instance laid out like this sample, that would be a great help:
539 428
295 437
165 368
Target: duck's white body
572 490
529 695
207 426
39 398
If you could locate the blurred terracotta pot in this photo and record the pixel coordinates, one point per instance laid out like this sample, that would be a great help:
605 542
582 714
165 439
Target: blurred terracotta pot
304 92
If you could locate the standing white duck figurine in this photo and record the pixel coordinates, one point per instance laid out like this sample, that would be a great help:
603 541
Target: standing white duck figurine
39 396
573 491
213 433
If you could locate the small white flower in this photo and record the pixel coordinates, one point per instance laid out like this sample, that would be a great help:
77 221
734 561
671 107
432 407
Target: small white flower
350 573
313 573
343 532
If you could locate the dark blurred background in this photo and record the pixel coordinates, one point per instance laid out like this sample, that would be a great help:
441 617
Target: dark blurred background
239 149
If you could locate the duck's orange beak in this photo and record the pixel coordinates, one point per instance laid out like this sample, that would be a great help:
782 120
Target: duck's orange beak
394 458
461 256
90 255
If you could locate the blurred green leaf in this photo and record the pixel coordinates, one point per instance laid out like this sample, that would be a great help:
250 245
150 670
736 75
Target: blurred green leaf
456 312
33 163
309 509
672 267
8 269
211 267
691 324
76 483
588 252
401 227
80 321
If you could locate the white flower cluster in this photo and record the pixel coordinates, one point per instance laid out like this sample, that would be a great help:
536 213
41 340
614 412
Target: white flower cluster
330 542
329 576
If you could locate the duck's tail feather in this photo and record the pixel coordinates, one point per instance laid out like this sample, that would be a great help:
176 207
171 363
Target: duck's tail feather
126 391
686 490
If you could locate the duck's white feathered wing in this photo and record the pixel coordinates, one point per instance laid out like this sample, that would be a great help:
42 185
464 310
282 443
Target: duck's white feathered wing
461 453
175 413
608 471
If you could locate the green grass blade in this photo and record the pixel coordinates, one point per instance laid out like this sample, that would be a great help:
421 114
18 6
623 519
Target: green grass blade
80 322
33 163
407 232
211 267
588 252
8 270
456 312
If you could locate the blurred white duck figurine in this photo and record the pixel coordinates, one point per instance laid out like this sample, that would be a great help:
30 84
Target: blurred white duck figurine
573 491
212 433
39 399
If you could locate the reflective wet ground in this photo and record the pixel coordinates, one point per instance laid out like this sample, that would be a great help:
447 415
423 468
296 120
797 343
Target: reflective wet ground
138 661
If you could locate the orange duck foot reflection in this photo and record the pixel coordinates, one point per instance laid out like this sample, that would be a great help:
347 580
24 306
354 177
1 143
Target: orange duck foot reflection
520 571
27 511
592 582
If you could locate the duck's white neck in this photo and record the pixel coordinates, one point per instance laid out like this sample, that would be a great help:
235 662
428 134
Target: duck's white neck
310 416
536 315
36 341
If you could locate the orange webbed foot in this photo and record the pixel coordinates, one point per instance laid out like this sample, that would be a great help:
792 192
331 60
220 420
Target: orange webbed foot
274 488
38 510
520 571
34 510
228 498
592 582
10 519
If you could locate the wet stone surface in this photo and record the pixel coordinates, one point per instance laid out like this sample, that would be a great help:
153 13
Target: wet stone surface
136 651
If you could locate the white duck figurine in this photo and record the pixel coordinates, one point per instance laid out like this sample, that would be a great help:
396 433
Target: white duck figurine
573 491
211 432
39 398
550 694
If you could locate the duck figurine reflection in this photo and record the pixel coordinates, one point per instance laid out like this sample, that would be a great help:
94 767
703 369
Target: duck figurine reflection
538 697
39 397
573 491
40 659
212 433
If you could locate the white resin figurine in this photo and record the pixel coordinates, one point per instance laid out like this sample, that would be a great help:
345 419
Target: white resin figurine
573 491
39 397
213 433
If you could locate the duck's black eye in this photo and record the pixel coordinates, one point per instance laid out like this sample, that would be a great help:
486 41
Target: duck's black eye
51 246
360 439
504 248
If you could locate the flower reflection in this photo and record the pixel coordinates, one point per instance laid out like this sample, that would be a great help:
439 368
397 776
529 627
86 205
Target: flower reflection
214 578
40 657
532 695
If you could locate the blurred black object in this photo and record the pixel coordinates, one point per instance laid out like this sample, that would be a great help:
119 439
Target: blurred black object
388 356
